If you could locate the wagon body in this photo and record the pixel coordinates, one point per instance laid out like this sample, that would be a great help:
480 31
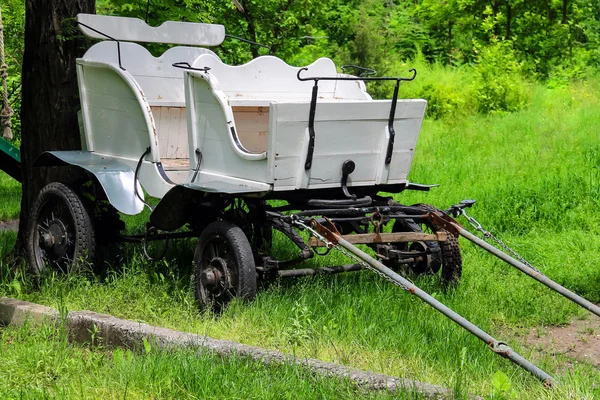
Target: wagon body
246 125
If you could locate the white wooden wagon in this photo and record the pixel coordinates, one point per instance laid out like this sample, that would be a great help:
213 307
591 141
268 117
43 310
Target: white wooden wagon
214 142
235 153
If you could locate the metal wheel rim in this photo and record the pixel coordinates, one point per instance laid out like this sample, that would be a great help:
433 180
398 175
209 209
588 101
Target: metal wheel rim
54 213
216 246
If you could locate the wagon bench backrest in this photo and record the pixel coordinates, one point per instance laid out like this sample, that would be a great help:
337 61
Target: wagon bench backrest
136 30
270 78
160 82
250 88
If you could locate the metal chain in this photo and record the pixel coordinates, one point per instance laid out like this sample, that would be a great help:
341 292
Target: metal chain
488 235
318 236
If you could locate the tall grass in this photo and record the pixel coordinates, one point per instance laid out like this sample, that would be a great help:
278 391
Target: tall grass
535 176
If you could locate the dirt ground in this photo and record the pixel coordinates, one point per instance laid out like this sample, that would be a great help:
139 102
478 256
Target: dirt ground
579 340
9 225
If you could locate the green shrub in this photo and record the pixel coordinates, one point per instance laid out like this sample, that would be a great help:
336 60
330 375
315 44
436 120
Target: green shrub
498 84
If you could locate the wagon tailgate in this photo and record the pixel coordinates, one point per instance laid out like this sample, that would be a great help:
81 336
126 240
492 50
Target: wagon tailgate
355 130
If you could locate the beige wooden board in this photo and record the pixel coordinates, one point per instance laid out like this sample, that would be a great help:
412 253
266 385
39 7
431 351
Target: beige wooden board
400 237
252 124
175 164
171 127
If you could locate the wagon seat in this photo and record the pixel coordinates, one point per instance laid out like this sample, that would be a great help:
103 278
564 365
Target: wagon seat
132 101
250 123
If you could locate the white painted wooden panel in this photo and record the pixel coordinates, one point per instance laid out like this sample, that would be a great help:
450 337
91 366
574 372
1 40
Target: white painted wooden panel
136 30
212 136
116 120
349 130
269 78
351 90
161 82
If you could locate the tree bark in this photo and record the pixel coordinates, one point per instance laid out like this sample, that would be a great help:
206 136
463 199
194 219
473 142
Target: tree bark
508 20
50 99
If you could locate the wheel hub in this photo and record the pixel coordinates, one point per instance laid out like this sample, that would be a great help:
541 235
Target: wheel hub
55 239
215 277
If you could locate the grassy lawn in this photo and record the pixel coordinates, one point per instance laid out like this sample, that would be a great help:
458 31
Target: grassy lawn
39 363
536 177
10 197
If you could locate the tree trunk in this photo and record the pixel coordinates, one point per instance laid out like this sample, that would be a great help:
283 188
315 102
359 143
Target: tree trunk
495 11
508 20
50 97
565 5
450 25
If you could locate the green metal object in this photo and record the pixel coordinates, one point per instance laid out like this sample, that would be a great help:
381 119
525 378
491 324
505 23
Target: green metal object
10 160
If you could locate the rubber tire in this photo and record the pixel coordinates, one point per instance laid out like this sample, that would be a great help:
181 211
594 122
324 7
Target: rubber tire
238 244
451 260
85 240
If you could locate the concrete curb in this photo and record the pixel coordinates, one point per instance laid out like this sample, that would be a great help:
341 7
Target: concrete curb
129 334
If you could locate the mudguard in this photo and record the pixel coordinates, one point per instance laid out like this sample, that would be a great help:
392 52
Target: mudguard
117 179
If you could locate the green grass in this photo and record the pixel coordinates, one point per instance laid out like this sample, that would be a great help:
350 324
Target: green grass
10 197
40 363
536 176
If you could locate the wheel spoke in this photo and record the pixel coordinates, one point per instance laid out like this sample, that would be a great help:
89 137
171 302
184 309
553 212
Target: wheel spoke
212 253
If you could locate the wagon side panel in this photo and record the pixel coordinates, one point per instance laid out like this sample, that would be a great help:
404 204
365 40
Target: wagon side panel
356 131
116 120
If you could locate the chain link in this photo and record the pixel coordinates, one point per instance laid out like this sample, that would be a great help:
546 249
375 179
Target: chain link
345 252
488 235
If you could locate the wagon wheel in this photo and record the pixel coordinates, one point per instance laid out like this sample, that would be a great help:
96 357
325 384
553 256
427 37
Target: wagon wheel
451 260
249 215
431 263
224 266
60 233
104 216
451 257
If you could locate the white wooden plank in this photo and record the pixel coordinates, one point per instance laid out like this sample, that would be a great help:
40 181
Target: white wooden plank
162 129
351 110
351 90
268 77
136 30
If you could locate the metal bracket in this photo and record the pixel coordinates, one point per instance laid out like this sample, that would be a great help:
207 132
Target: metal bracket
347 168
186 65
332 235
198 161
313 106
109 38
441 220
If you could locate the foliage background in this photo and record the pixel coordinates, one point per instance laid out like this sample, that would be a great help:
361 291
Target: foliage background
473 56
